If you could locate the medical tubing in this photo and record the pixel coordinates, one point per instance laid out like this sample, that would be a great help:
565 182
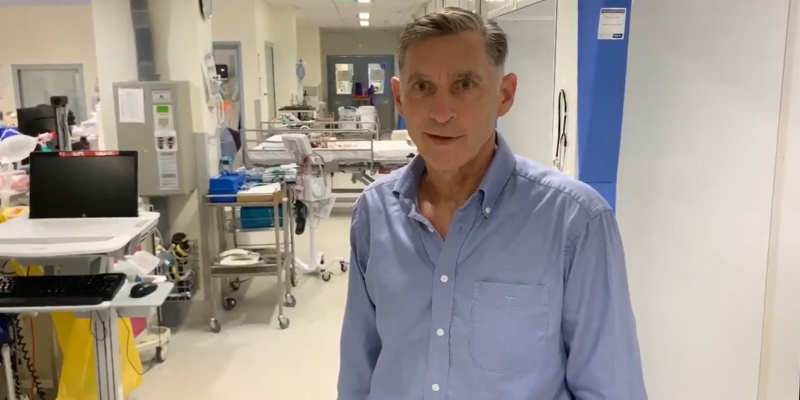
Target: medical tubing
22 348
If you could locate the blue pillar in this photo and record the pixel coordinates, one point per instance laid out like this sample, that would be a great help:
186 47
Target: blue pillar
602 64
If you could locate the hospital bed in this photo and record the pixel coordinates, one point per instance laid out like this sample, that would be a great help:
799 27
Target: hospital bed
359 155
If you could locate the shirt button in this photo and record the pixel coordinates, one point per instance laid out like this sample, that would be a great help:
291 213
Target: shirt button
435 387
488 210
430 228
440 332
444 278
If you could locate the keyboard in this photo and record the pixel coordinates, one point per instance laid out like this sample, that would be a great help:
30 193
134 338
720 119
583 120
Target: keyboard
59 290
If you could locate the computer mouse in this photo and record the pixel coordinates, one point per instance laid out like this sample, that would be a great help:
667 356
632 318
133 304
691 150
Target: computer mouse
143 289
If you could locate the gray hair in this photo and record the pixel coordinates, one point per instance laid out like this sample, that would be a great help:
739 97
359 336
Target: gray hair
452 21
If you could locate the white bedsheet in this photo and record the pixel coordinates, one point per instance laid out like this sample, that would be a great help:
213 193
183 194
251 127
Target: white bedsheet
273 152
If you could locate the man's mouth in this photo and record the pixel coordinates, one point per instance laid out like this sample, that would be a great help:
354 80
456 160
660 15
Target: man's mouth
439 139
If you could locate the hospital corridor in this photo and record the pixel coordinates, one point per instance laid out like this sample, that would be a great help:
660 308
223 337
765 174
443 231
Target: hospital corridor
399 200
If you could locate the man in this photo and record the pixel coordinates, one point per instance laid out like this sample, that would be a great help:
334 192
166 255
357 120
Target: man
476 274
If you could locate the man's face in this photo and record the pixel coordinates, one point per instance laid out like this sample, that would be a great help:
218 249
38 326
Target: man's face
450 95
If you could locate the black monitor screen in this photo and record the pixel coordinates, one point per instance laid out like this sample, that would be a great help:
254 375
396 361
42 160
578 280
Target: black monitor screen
84 184
33 121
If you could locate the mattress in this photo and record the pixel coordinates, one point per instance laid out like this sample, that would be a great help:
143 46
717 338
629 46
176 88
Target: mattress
273 152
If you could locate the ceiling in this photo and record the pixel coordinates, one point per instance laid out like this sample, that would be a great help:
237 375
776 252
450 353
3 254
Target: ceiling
344 13
341 14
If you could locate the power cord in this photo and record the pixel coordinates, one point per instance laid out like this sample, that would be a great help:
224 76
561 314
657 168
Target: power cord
21 348
559 161
128 343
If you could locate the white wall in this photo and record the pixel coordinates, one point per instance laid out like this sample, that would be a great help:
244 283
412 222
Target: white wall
781 347
309 49
695 190
284 34
566 78
27 37
528 126
115 55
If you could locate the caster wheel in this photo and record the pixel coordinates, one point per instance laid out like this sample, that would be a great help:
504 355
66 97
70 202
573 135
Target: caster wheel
228 303
216 327
161 353
326 276
290 300
293 279
344 266
283 322
236 285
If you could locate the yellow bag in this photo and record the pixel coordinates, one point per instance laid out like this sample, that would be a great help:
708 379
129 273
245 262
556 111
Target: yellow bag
78 381
78 376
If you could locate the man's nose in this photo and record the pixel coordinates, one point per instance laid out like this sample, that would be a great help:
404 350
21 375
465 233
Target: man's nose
443 107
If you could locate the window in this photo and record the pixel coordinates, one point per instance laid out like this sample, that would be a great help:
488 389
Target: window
344 78
377 77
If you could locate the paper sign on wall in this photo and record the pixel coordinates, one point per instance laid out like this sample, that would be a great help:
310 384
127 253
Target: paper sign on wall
131 105
612 24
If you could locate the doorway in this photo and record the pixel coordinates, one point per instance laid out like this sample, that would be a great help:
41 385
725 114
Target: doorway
269 65
230 55
35 84
347 73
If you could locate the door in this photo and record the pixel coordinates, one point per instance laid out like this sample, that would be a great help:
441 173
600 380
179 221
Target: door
346 73
35 84
230 54
269 64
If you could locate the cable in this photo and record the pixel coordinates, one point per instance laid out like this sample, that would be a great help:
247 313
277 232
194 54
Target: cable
128 344
33 354
22 349
561 140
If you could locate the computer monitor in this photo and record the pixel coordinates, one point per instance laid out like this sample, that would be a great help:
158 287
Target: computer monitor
84 184
33 121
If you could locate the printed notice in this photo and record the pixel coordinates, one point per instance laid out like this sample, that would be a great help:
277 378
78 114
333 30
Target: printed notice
612 24
131 105
168 170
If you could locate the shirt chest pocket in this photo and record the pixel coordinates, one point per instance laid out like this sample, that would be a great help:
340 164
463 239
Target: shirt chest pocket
509 326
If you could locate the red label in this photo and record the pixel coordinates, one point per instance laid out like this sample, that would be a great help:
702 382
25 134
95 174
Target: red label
88 153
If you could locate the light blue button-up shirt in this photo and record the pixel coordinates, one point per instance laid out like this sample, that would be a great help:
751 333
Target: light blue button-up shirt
526 298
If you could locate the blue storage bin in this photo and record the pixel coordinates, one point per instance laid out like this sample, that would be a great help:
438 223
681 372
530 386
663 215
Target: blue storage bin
227 183
260 217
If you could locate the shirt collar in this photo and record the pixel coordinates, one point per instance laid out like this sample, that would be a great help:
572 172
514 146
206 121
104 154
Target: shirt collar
500 170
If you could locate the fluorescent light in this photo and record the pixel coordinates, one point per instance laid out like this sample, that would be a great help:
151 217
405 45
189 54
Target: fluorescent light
364 1
364 23
363 15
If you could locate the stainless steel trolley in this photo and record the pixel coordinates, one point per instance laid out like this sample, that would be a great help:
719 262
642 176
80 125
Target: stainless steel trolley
276 258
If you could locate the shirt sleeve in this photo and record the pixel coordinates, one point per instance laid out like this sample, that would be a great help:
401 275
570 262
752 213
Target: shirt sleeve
598 325
361 344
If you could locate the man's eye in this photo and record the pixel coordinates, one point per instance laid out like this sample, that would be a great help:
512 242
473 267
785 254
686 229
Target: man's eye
421 86
464 85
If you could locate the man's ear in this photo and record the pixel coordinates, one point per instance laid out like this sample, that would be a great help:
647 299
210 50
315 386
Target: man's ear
397 94
508 90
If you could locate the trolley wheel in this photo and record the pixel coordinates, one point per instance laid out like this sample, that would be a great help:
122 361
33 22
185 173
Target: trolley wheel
289 300
228 303
326 275
283 322
236 284
345 265
293 277
216 327
161 353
